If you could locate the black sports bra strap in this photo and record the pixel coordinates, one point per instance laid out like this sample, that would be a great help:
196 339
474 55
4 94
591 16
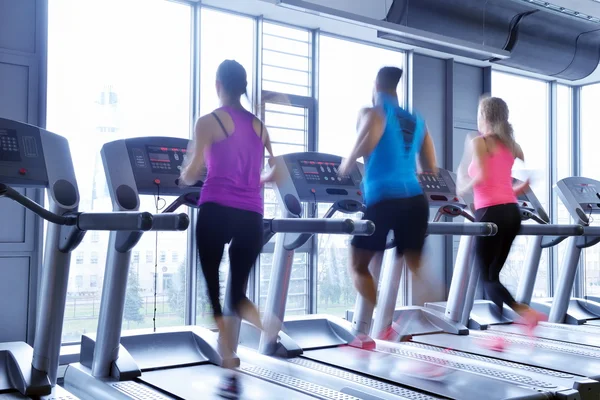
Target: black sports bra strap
220 123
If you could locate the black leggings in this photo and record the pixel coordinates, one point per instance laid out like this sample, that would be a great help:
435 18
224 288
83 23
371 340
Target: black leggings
218 225
492 251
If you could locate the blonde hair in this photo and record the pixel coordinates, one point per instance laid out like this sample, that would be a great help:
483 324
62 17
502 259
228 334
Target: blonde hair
495 113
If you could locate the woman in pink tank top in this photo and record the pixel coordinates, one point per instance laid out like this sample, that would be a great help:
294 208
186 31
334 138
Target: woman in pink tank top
492 156
231 142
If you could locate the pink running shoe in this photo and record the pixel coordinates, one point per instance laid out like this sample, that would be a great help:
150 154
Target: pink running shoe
496 343
531 320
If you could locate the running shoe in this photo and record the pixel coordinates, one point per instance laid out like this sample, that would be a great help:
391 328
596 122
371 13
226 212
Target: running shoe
230 388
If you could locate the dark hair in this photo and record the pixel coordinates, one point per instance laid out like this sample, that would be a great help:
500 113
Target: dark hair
233 78
388 78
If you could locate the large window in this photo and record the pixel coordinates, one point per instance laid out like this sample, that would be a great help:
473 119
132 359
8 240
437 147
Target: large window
527 101
590 165
114 75
343 91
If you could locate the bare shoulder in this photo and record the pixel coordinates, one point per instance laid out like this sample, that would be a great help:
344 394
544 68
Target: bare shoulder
479 144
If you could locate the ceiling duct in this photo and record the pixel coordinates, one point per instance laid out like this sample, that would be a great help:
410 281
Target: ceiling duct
539 41
402 33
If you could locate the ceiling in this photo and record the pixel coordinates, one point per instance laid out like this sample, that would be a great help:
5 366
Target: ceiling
376 10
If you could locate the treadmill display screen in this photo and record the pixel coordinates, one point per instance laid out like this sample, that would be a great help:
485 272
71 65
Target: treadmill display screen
165 159
433 183
9 145
324 173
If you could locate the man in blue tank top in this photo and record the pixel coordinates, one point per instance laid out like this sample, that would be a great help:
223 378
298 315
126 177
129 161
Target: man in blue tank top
390 139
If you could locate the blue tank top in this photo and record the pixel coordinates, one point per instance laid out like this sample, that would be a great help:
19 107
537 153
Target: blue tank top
391 169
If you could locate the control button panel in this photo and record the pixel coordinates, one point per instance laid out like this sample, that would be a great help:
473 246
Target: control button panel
322 172
166 160
9 145
431 182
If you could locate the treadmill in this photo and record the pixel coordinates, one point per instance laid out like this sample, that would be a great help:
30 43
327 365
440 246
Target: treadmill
41 159
330 345
176 362
413 321
581 197
552 358
485 315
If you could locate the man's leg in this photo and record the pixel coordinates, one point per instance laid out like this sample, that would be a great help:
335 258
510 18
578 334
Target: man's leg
361 276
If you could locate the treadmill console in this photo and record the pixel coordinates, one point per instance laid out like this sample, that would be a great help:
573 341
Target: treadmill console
440 189
530 206
581 197
21 156
154 163
313 178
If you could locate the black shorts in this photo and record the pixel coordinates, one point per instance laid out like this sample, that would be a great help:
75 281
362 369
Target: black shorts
407 218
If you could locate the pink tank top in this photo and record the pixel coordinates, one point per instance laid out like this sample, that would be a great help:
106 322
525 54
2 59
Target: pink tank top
234 166
498 187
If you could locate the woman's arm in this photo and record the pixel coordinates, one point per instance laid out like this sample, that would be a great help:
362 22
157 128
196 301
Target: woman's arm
478 149
193 166
524 186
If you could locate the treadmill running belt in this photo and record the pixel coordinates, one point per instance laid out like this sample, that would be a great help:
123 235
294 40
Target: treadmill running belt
457 385
523 351
546 332
202 382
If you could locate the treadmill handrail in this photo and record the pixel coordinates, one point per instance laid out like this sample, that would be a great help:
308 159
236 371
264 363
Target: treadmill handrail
170 222
7 191
551 230
591 230
115 221
122 221
458 228
321 225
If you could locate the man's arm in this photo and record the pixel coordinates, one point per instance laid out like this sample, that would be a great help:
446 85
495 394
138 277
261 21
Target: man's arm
369 134
427 157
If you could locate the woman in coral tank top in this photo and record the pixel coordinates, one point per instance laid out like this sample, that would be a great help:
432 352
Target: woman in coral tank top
489 174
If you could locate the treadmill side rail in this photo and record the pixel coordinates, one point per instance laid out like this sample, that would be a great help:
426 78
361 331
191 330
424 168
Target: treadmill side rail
19 373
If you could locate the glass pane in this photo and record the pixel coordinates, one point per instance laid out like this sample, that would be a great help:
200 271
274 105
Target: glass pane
527 101
104 81
286 59
236 41
341 94
297 300
563 160
590 165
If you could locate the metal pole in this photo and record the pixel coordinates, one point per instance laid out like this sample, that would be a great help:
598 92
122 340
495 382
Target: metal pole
460 279
112 305
532 264
279 283
388 294
51 301
560 304
470 293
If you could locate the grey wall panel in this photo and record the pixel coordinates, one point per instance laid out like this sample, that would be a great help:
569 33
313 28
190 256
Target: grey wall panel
17 25
468 87
429 100
14 297
23 35
12 230
429 83
14 81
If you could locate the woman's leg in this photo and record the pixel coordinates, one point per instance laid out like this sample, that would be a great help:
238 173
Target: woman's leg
492 252
244 249
211 237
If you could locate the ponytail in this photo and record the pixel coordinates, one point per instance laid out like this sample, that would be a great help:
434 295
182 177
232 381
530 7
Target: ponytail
495 112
